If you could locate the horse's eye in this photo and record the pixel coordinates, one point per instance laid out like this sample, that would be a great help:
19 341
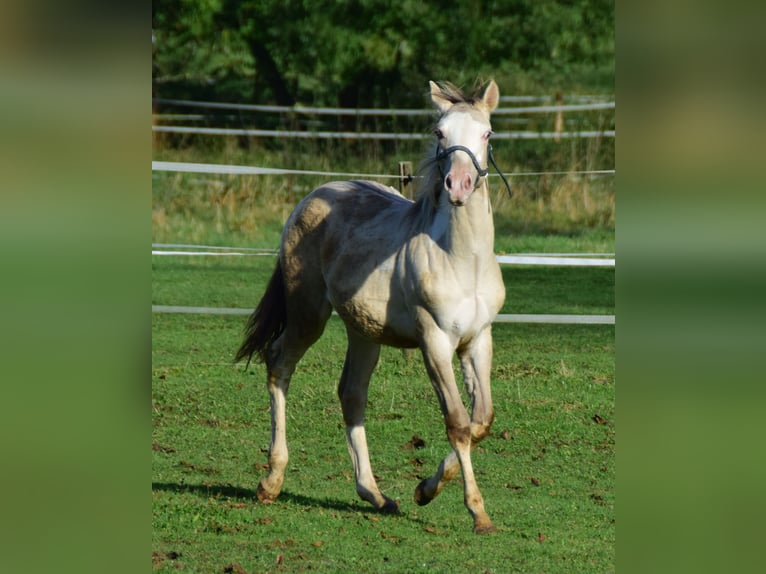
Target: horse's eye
438 133
488 134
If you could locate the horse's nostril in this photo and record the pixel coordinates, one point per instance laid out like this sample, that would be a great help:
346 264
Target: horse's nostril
448 182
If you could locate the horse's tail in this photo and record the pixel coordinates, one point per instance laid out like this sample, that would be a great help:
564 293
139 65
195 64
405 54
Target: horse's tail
267 321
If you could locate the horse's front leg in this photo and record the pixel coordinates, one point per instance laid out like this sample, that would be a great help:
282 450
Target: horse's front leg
437 353
476 362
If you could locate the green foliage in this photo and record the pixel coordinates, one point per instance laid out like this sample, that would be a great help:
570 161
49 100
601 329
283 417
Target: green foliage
190 49
376 52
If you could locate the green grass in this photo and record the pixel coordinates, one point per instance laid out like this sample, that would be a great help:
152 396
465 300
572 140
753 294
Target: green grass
239 282
547 471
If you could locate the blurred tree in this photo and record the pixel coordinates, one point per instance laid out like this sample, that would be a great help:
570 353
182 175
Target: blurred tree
377 52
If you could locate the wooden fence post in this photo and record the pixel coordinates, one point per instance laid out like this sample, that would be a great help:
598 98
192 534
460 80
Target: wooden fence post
405 178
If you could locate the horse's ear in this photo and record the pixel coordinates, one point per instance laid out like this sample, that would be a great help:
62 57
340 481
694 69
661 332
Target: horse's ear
491 97
441 102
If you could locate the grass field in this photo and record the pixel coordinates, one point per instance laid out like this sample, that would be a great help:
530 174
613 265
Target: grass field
547 472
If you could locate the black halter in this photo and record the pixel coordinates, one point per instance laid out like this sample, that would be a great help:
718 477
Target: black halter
483 172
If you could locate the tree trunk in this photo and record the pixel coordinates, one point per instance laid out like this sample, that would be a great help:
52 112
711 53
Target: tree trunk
266 67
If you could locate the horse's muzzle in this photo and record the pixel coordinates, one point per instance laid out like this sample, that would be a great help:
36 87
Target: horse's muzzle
459 186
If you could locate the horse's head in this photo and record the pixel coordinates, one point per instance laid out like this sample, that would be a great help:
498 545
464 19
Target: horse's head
463 132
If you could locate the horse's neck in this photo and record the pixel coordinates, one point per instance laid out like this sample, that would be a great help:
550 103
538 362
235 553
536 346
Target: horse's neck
467 231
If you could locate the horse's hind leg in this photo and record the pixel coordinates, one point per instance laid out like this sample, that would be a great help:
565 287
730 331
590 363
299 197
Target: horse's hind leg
361 358
271 485
305 325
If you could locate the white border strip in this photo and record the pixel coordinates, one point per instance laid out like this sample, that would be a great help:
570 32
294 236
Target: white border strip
516 318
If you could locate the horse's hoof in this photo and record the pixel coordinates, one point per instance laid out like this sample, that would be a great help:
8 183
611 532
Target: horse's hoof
264 496
390 507
487 528
421 498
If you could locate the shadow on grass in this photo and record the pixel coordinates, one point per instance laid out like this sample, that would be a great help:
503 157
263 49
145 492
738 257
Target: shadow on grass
249 495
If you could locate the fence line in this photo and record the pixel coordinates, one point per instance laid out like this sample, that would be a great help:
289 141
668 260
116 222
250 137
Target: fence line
271 251
377 111
263 250
549 98
210 168
551 259
252 170
212 253
503 318
555 261
369 135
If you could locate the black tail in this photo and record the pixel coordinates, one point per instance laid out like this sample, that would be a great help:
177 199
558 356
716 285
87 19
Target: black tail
267 321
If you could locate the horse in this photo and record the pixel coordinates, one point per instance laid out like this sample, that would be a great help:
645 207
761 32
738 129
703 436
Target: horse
409 274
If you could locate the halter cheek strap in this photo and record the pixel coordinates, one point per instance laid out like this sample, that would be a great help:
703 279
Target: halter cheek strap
483 172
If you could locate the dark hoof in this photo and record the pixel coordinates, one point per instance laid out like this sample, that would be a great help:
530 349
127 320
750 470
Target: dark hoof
390 507
420 496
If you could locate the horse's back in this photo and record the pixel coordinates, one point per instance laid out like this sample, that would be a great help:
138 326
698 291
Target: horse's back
358 199
336 212
343 239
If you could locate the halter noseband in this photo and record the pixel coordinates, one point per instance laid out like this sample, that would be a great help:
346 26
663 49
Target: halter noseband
445 153
483 172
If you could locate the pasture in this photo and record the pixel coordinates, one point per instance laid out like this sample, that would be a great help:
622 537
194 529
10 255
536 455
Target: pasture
547 471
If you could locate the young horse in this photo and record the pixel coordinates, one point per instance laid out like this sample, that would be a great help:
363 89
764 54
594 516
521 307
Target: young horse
401 273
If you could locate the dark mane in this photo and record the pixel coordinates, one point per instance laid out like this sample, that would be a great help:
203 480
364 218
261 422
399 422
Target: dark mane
429 183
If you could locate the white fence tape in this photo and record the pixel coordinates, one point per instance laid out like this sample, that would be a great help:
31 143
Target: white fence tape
260 250
552 109
252 170
381 112
515 318
184 167
579 98
213 253
551 259
554 261
367 135
557 319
